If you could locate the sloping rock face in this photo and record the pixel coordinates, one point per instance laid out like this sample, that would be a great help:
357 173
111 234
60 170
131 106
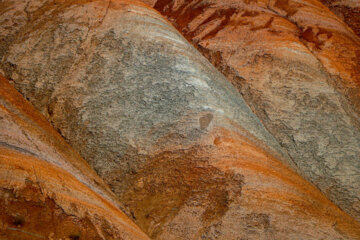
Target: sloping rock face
172 137
298 67
347 10
47 191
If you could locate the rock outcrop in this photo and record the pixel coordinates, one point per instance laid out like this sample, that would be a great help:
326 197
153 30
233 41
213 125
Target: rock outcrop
171 136
298 67
47 191
347 10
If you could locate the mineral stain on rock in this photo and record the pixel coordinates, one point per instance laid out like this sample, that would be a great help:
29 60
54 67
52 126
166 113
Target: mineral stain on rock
171 180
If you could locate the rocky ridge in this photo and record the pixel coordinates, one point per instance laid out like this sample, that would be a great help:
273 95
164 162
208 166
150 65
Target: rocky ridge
171 136
297 66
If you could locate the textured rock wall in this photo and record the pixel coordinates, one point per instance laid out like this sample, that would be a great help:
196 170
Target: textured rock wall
297 65
170 135
347 10
47 191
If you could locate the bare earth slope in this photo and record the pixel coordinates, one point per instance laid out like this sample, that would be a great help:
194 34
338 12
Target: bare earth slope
172 137
47 191
298 67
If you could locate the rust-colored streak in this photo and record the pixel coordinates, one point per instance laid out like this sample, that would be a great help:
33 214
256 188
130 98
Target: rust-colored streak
225 14
188 11
249 14
284 5
161 4
265 26
250 1
183 15
191 12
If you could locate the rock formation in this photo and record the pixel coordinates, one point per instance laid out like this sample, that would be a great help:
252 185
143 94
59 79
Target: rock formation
47 191
172 137
298 67
347 10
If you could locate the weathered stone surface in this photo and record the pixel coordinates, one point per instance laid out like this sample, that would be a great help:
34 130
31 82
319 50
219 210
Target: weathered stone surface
47 191
347 10
298 67
173 138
